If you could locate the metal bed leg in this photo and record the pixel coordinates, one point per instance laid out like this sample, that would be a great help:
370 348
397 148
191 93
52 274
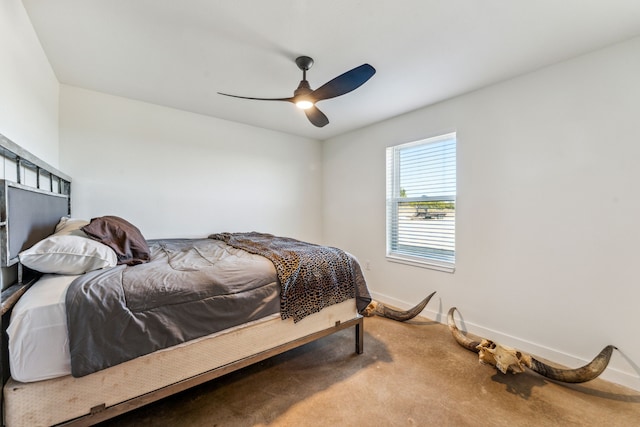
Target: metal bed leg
360 336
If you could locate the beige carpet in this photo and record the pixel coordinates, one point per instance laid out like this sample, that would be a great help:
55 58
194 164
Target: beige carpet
411 374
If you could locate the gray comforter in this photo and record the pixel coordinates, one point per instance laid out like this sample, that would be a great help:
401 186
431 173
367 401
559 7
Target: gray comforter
189 289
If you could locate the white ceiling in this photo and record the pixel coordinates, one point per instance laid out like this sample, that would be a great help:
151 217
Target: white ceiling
180 53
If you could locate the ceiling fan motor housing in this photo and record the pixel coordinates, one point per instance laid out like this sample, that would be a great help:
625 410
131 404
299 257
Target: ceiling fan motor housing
303 89
304 62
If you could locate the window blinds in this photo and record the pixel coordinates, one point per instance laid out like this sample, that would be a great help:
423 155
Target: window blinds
421 197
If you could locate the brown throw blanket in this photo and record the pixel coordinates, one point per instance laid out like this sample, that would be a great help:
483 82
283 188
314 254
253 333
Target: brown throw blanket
311 276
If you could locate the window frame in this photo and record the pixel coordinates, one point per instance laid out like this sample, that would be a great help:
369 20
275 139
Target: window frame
394 198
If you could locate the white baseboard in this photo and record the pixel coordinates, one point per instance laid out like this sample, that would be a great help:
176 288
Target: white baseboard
439 314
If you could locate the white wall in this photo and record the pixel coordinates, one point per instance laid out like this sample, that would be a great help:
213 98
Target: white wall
28 95
179 174
548 219
28 87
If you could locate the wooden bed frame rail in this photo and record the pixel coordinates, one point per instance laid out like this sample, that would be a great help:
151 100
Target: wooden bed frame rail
103 413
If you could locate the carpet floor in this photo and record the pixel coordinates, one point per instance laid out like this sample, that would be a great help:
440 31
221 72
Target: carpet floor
410 374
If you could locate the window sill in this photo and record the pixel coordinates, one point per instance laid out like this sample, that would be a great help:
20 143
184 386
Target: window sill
443 266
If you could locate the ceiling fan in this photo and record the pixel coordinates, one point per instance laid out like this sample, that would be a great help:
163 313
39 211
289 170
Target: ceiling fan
305 98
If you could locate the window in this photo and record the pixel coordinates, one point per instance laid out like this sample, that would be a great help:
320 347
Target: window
421 202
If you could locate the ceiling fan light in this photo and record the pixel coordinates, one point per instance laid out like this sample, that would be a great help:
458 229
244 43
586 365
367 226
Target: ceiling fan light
304 104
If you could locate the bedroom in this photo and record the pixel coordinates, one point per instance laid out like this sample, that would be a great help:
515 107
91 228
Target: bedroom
546 229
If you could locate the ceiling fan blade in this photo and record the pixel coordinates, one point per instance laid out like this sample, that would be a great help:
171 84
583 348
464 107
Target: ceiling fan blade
344 83
316 117
258 99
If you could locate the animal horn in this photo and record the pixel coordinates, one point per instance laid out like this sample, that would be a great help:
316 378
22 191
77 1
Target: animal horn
379 309
579 375
460 338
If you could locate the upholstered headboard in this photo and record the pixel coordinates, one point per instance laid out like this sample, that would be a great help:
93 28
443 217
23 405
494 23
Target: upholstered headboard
27 215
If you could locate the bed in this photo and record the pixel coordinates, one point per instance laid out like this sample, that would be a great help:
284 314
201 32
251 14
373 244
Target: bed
54 382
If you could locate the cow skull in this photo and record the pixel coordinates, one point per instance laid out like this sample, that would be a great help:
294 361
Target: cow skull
376 308
506 359
509 359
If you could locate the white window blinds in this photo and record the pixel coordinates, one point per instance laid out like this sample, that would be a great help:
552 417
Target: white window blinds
421 202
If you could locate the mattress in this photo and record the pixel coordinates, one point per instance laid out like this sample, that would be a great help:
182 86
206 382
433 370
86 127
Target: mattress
59 399
38 344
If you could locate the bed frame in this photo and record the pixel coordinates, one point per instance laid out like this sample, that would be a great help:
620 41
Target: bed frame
29 204
29 213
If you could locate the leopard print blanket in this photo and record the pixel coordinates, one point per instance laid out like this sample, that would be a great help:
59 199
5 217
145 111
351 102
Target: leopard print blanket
311 276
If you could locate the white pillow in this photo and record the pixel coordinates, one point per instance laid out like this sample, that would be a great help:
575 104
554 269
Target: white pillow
68 251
